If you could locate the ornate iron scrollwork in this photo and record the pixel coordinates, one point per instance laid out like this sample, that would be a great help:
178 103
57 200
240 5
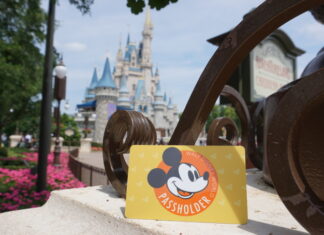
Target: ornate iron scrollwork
232 133
214 136
124 129
298 187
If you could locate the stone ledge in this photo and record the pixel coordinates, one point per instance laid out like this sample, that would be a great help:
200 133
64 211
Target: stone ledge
98 210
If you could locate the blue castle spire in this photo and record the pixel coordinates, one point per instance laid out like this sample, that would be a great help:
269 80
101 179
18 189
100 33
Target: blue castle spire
165 98
128 39
123 85
94 79
106 79
170 105
158 91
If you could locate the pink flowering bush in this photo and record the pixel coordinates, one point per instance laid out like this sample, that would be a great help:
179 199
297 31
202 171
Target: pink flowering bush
18 187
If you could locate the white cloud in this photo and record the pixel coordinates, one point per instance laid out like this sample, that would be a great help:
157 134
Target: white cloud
314 31
75 46
179 39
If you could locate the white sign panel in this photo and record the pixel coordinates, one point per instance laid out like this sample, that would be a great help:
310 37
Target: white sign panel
271 69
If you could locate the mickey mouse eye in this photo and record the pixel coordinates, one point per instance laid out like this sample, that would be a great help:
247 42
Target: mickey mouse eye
196 174
191 176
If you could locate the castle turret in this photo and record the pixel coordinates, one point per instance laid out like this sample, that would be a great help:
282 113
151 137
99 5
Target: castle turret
156 72
159 110
172 116
123 99
147 40
165 98
155 80
118 65
106 99
146 60
90 91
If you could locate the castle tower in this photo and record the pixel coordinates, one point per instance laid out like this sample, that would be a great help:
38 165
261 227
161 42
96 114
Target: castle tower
146 60
118 66
123 99
106 98
90 95
155 80
159 111
172 115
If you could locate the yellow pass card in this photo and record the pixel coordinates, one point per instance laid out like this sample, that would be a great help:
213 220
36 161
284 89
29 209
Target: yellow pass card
187 183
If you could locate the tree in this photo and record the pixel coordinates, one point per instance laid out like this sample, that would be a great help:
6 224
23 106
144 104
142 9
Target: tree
27 123
69 122
136 6
22 25
222 111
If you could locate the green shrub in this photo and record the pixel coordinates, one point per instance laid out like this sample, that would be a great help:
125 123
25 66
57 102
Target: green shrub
16 163
3 152
94 144
21 150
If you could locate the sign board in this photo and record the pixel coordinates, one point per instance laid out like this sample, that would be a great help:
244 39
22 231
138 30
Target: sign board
187 183
271 69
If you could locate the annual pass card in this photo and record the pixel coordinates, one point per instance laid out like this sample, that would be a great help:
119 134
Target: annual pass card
187 183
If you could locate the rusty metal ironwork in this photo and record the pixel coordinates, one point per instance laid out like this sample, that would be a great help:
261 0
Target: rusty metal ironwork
215 132
235 98
255 26
257 122
124 129
292 154
232 133
294 148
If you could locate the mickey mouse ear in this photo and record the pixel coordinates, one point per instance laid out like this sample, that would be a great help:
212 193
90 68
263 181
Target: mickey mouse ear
172 156
156 178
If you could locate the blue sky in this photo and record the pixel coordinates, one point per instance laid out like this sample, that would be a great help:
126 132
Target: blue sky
179 42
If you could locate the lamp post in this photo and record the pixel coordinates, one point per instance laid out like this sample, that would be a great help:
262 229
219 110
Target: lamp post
69 132
44 132
59 94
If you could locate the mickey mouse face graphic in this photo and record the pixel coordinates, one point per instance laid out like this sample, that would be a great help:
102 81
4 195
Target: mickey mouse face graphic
183 179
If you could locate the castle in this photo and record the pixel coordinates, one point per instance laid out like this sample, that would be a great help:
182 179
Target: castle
131 86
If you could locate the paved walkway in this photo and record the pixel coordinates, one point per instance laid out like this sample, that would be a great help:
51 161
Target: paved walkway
93 159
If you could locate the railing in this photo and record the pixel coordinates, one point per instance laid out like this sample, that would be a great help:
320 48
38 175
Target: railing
90 175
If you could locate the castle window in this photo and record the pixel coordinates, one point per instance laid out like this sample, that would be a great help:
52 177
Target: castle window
134 87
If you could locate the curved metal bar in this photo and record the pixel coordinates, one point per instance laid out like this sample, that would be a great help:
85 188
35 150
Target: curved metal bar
294 148
124 129
257 132
255 27
247 139
242 111
216 129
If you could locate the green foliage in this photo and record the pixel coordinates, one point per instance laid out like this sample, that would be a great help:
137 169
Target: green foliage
3 152
5 184
18 152
15 164
94 144
136 6
27 123
82 5
22 25
223 111
66 123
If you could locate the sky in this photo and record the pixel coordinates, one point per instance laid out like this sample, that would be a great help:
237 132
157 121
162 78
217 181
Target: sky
179 46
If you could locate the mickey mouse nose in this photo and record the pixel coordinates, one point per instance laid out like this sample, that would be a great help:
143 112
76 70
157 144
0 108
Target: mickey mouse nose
206 175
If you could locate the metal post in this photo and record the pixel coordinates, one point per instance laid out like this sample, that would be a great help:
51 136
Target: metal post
86 122
45 122
57 149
